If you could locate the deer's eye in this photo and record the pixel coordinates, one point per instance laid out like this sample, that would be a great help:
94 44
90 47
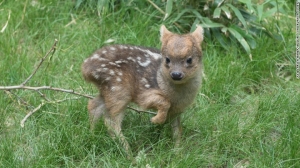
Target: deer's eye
167 60
189 60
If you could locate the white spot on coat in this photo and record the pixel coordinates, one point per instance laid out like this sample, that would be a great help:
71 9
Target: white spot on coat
154 55
95 56
102 59
147 86
120 73
131 59
119 79
144 80
111 72
115 88
111 63
95 75
144 64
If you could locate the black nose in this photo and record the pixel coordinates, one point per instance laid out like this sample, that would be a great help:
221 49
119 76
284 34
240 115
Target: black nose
176 75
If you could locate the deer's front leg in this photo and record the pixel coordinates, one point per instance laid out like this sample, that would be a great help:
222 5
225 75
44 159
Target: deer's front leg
155 100
177 130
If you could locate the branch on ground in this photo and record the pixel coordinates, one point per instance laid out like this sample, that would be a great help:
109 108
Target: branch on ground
38 89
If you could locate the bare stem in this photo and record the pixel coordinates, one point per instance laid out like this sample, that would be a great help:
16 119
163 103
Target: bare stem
41 62
40 106
155 6
141 111
30 113
39 88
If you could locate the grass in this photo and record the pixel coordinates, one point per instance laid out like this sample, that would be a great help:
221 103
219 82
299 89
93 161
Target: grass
248 116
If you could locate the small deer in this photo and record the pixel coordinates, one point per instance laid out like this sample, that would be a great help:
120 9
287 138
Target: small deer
166 80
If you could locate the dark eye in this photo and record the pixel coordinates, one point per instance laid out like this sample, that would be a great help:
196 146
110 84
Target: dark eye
167 60
189 60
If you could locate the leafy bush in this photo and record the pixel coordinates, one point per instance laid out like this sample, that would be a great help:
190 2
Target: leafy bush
236 21
227 22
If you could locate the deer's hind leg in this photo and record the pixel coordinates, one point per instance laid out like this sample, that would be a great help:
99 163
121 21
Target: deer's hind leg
96 108
114 116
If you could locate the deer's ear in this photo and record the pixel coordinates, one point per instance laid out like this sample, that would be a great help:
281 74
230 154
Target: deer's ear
198 34
164 33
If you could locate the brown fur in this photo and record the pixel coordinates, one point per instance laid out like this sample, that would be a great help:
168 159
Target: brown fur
166 80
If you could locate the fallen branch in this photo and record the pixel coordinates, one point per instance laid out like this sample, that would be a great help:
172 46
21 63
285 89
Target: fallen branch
40 106
53 49
39 88
141 111
30 113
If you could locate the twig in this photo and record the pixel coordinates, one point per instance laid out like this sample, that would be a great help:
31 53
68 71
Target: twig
73 21
155 6
42 95
205 96
41 62
30 113
40 106
141 111
22 102
146 13
44 88
39 88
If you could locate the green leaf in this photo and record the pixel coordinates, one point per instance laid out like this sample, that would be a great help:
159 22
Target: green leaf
220 37
194 25
248 37
209 24
240 39
197 14
260 9
224 29
248 16
267 1
168 8
78 3
217 3
181 14
238 15
217 13
248 4
269 13
227 12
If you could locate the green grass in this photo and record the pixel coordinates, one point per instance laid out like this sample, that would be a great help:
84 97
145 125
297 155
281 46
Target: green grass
250 111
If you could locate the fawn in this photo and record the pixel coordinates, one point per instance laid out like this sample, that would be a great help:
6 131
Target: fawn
166 80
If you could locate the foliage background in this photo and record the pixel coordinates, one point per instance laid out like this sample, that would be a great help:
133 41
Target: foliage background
245 114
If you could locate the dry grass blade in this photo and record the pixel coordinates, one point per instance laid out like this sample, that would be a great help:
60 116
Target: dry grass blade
4 27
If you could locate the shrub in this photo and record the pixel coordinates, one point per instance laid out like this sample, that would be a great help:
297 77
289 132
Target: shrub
226 22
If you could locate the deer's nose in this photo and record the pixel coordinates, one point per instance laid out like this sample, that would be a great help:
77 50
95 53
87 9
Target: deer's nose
176 75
